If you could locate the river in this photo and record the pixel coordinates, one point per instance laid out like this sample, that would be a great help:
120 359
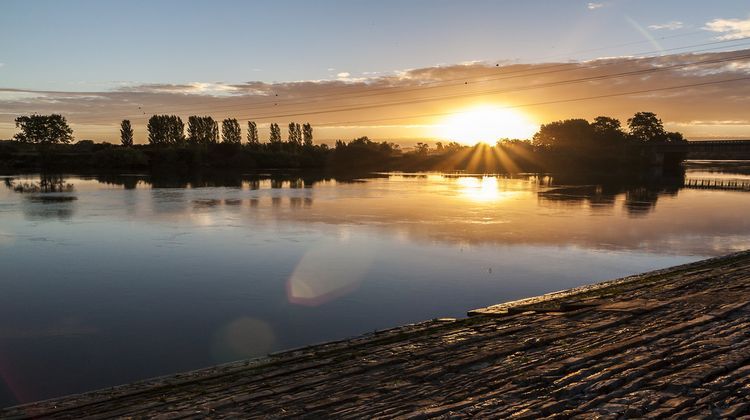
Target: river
111 279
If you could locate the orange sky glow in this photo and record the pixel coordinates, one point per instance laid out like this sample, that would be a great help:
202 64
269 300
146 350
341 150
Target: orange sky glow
702 95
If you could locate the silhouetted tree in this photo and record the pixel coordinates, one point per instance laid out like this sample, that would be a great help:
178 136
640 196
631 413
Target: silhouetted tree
646 127
421 148
275 133
43 129
126 133
674 137
608 130
603 124
307 134
157 130
202 130
295 134
564 134
230 131
252 133
166 130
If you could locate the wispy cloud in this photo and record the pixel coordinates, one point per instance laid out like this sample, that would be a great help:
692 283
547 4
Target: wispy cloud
343 75
13 95
325 103
730 28
671 26
594 6
194 88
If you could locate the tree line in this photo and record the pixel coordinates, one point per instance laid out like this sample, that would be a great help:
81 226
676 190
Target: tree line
163 130
643 128
602 144
169 130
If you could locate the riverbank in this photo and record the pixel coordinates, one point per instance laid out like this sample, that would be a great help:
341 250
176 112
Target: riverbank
671 342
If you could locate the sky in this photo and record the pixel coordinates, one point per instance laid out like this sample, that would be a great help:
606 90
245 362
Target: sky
390 70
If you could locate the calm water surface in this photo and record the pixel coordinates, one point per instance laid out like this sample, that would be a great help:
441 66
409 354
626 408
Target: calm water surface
113 279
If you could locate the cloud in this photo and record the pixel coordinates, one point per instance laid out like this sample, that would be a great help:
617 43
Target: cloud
594 6
194 88
377 105
15 95
671 26
345 76
721 122
730 28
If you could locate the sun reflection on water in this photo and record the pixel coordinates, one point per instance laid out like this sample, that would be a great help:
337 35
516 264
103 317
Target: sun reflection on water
484 189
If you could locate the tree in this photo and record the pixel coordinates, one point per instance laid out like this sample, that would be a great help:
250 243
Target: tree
166 130
230 131
157 134
421 148
603 124
646 127
126 133
275 133
674 137
252 133
202 130
43 129
572 134
295 134
307 134
608 130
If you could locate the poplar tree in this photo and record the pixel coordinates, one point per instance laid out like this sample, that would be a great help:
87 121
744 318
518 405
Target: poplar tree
275 133
230 131
307 134
252 133
126 133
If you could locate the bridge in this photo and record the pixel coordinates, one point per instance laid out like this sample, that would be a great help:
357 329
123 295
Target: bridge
706 150
738 184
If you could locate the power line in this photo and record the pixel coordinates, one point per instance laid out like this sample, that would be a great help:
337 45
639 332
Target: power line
550 69
504 76
558 101
496 91
428 85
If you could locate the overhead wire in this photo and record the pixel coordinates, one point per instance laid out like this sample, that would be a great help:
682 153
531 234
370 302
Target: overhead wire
423 86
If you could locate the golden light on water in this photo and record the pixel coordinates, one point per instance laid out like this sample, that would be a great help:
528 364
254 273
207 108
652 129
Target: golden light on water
483 189
486 124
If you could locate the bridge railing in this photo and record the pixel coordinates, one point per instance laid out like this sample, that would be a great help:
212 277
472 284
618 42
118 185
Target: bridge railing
717 184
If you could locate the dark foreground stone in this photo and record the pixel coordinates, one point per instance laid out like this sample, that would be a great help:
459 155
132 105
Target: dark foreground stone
670 343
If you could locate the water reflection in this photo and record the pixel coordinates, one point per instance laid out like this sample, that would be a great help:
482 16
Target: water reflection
51 197
639 199
486 188
461 207
48 183
166 273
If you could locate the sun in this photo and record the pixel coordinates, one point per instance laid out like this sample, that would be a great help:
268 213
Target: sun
486 124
